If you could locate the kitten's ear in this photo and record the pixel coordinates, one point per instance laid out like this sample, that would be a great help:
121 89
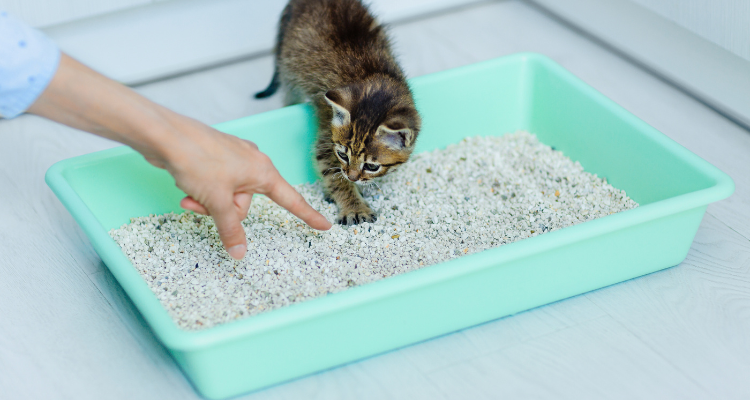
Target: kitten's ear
335 99
397 139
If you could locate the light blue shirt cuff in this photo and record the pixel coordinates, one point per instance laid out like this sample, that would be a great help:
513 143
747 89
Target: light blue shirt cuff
28 61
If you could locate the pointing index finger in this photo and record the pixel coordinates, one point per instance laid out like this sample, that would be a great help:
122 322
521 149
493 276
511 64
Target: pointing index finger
284 195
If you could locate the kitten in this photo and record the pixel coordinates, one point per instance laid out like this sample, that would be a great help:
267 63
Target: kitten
335 53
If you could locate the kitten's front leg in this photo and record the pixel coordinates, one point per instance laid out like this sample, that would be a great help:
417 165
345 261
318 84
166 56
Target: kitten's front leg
352 207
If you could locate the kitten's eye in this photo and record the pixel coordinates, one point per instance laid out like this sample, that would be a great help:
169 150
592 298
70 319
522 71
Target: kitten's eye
343 157
371 167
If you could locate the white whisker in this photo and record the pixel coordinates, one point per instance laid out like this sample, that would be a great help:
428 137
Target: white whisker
332 168
376 185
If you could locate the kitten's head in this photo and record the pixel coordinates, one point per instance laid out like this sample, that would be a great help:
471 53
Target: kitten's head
374 126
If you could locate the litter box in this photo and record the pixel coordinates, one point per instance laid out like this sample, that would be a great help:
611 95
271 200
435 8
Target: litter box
530 92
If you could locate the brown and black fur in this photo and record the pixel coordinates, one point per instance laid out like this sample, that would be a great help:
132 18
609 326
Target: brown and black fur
335 53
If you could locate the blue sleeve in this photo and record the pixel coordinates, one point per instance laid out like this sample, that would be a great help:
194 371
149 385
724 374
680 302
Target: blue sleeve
28 61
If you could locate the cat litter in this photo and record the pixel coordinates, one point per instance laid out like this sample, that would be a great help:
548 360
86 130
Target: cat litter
481 193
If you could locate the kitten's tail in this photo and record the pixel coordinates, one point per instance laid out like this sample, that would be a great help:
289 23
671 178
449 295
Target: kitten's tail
286 16
272 87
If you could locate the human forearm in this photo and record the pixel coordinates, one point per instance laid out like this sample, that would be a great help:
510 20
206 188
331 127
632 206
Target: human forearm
81 98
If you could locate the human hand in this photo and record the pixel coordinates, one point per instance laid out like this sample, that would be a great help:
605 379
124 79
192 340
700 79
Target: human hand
219 172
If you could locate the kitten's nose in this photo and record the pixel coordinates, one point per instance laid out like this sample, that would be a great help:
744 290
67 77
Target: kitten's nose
353 175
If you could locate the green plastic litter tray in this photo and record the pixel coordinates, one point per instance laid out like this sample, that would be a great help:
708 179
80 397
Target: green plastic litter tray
519 92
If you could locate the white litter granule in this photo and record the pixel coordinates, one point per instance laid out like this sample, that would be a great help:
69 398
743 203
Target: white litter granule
481 193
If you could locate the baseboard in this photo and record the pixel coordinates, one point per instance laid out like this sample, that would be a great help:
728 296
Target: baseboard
164 39
711 74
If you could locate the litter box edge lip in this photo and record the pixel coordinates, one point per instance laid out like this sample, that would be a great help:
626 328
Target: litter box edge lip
107 249
723 185
293 314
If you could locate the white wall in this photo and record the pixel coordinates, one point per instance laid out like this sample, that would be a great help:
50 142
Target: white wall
45 13
723 22
41 13
700 67
145 40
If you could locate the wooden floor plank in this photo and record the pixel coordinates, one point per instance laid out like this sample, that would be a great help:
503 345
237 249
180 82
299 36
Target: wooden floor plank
593 360
506 332
696 315
59 322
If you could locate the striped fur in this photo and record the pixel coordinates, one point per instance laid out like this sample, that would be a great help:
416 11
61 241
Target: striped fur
334 53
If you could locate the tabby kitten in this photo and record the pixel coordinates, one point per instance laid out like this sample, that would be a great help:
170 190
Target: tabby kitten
335 53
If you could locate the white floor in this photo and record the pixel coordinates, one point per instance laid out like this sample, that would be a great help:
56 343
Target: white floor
68 331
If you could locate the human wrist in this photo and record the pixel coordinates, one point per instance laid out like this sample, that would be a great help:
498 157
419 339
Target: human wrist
171 138
159 135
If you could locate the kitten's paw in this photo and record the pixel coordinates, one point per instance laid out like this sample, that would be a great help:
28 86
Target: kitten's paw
328 199
356 217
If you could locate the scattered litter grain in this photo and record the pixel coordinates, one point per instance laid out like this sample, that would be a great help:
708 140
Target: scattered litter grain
481 193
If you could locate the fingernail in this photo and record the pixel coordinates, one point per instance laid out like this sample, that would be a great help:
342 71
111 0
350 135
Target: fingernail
237 252
330 224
